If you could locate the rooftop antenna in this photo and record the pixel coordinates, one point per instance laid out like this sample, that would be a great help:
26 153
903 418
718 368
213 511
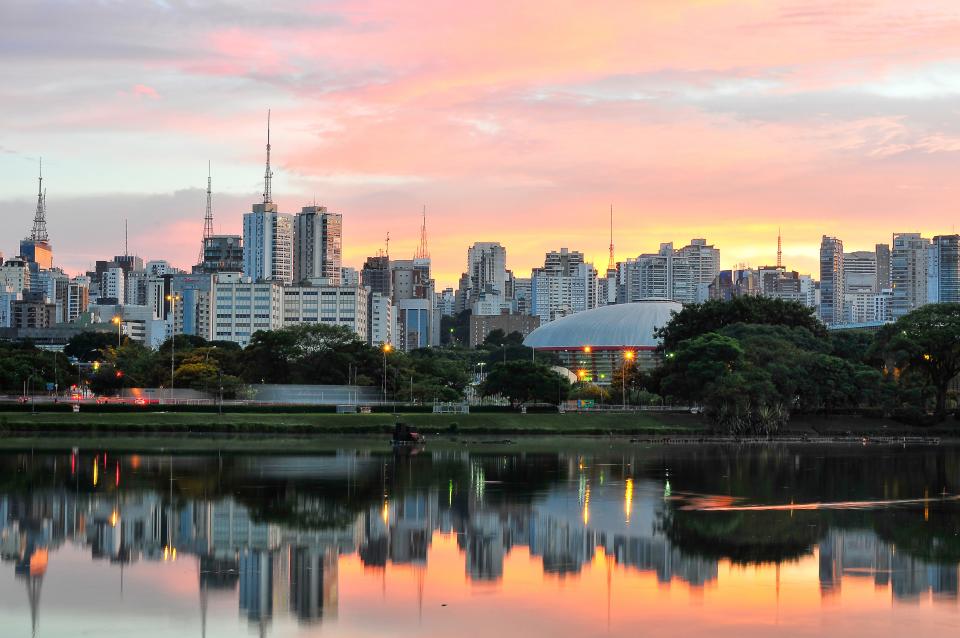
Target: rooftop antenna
779 250
39 231
126 249
422 250
268 174
611 263
388 246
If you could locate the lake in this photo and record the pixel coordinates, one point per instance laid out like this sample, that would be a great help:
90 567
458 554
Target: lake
565 538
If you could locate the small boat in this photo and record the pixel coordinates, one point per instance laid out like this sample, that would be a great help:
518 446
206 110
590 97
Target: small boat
403 434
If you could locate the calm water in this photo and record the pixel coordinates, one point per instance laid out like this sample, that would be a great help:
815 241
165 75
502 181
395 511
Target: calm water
623 540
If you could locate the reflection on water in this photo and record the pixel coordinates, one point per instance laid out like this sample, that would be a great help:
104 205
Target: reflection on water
362 542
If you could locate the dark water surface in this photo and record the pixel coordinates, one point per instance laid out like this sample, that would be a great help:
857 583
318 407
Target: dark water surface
491 541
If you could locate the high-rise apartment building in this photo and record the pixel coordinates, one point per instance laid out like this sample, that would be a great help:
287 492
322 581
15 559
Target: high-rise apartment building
565 285
487 267
882 252
15 273
662 275
268 244
859 272
78 297
831 280
908 272
113 284
943 269
704 260
317 235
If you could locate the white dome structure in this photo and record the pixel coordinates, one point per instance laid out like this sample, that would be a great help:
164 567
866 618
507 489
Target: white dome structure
628 325
597 343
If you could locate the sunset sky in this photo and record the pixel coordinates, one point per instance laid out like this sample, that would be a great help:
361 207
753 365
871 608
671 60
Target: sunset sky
519 122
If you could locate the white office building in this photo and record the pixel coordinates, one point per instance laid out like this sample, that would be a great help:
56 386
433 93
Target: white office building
328 305
242 306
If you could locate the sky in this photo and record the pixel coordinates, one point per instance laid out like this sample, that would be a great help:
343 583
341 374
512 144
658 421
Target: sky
520 122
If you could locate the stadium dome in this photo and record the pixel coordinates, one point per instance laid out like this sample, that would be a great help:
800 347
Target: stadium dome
629 325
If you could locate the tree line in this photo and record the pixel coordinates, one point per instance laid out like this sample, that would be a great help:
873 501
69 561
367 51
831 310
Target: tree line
750 363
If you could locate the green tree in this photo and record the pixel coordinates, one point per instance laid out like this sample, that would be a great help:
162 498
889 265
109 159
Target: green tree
712 316
925 344
89 345
525 381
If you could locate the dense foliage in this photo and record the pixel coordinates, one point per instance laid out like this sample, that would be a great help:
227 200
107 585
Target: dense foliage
753 362
750 364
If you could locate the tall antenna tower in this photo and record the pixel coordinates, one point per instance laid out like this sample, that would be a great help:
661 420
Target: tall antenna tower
208 216
39 231
268 174
779 250
422 251
388 245
611 262
126 237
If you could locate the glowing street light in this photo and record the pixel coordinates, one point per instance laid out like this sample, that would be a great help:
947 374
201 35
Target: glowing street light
386 348
118 321
628 355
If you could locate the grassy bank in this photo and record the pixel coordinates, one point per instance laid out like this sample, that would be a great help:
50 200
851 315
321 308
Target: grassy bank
189 425
300 423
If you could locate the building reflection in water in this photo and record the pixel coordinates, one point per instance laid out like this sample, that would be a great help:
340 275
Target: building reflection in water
281 568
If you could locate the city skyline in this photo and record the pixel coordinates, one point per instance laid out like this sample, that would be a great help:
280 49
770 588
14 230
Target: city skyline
816 120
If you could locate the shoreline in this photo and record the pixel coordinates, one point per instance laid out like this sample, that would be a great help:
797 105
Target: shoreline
183 428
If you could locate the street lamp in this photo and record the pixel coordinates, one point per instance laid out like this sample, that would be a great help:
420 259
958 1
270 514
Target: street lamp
629 355
173 299
386 348
119 323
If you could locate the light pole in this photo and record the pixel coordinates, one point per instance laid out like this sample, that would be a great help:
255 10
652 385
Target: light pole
119 323
33 408
386 348
627 356
173 299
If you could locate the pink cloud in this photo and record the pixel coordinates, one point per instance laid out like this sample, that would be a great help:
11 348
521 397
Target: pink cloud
142 90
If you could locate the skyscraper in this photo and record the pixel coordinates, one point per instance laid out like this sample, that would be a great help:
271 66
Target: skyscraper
487 267
860 272
317 236
704 262
831 280
943 269
883 267
908 272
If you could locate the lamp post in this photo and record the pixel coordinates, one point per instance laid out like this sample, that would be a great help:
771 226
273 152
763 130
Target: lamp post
173 299
386 348
33 408
627 356
119 323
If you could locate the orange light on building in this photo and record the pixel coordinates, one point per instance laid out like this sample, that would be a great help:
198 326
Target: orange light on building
114 518
587 349
96 470
629 355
